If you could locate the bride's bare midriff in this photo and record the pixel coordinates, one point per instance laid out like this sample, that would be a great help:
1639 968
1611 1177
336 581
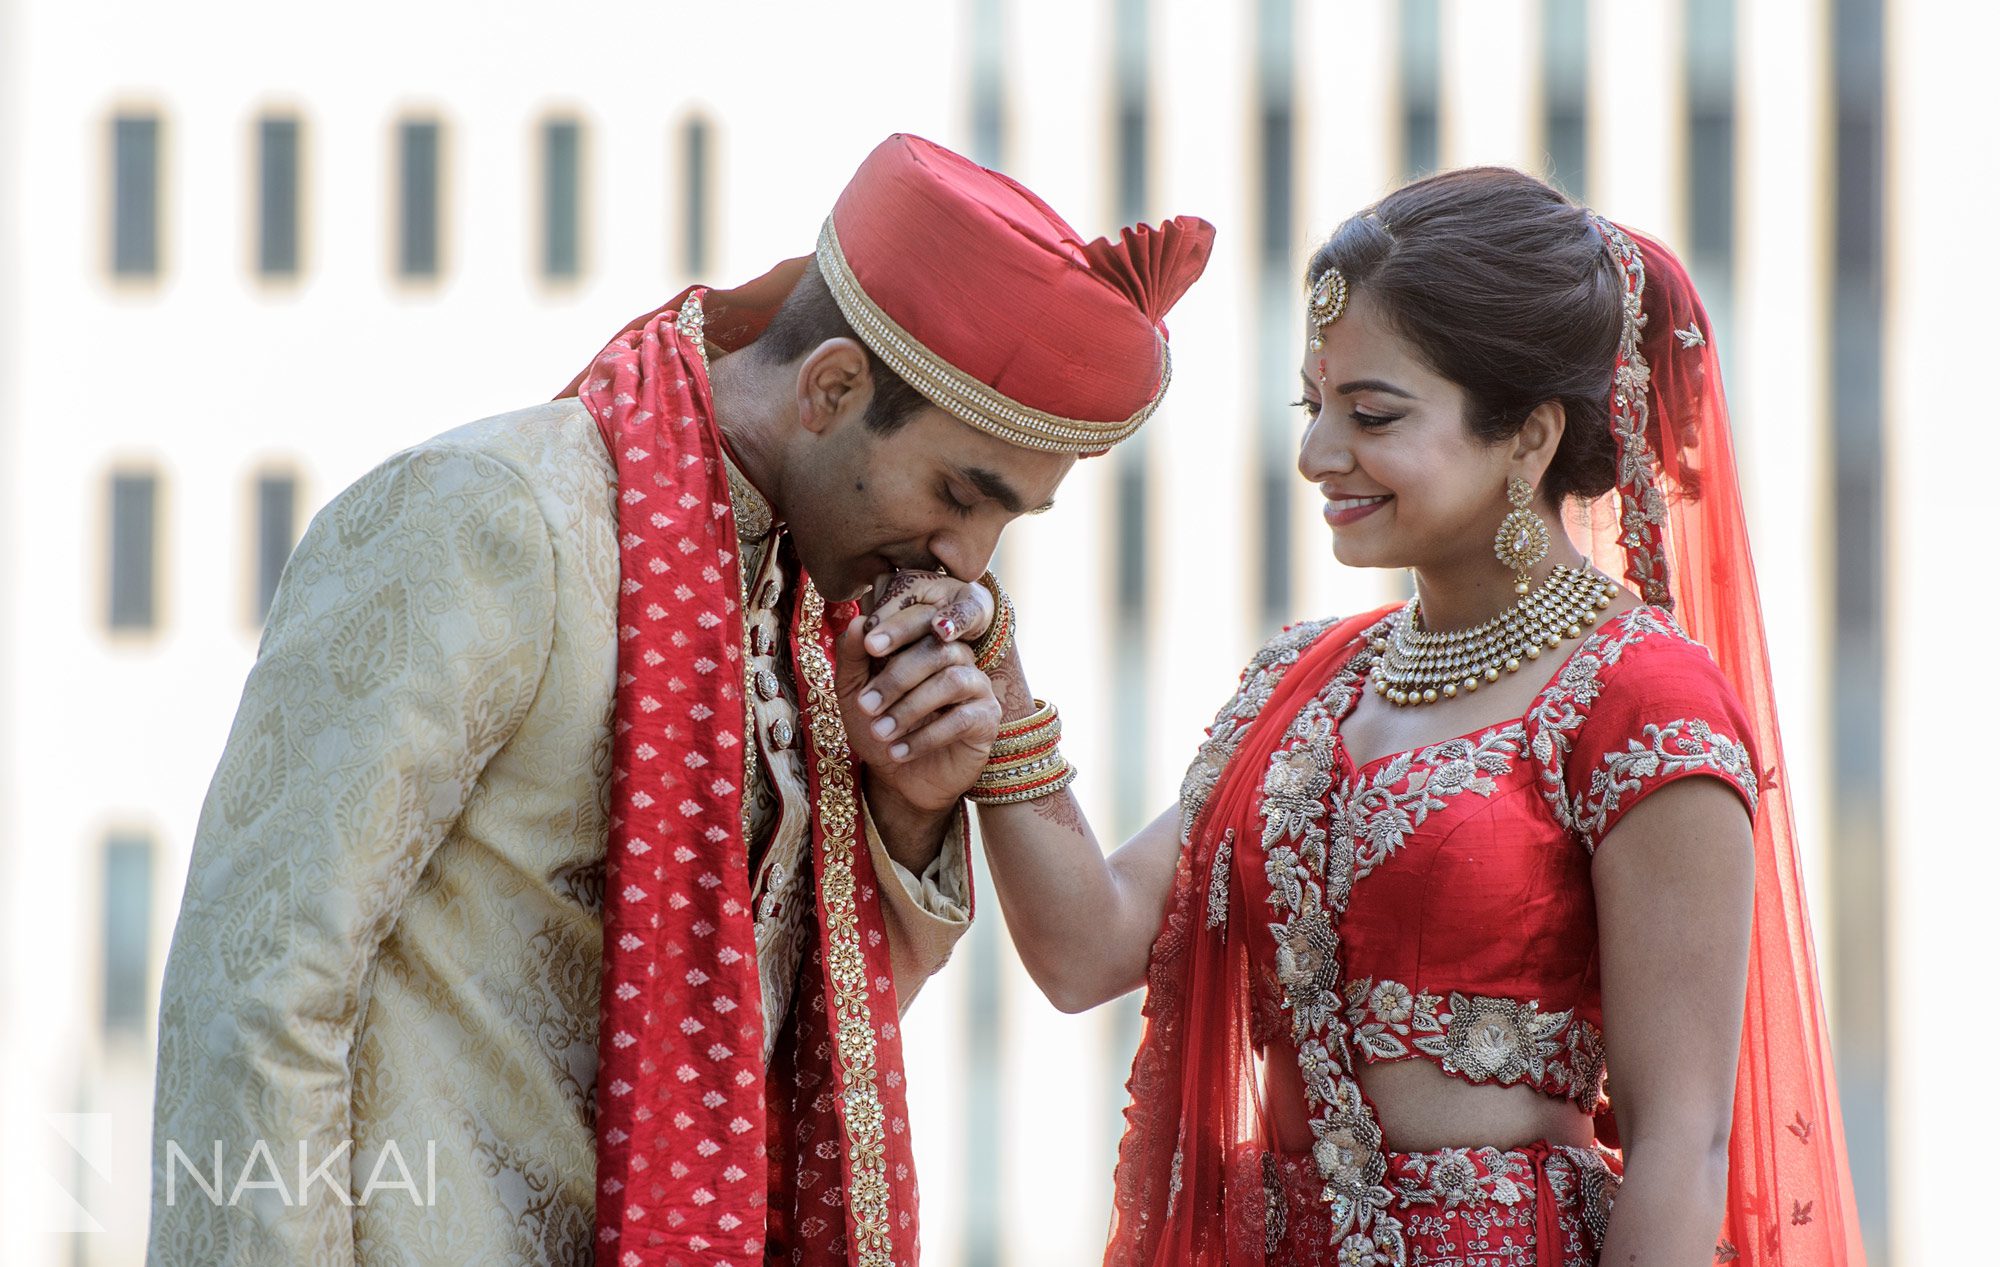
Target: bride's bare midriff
1422 1108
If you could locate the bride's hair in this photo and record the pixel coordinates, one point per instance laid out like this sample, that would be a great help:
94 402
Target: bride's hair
1503 286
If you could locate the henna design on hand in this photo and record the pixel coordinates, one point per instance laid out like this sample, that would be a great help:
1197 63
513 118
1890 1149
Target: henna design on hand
1060 809
900 583
1015 700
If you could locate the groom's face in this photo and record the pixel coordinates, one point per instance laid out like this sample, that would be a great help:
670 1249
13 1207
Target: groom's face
932 493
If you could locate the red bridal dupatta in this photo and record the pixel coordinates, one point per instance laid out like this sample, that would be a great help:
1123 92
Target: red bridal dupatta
1681 538
1675 529
1194 1082
700 1160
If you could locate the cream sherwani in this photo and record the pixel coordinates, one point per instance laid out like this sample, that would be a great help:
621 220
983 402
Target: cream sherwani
391 930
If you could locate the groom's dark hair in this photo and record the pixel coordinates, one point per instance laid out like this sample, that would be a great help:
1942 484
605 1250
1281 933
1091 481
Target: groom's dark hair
809 317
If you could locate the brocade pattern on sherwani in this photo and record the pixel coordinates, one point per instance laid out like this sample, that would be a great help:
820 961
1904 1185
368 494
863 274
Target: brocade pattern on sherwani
391 929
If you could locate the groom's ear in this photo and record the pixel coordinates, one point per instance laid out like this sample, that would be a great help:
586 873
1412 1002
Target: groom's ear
833 385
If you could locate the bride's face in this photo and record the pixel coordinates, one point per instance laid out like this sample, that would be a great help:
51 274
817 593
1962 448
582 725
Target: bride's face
1406 482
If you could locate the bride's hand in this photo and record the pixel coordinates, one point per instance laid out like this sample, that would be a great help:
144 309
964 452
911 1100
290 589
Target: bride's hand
919 715
909 604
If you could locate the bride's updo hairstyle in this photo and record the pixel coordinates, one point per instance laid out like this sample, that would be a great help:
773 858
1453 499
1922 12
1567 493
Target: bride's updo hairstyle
1503 286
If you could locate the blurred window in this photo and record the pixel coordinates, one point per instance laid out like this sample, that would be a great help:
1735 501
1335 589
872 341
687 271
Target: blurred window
989 101
1566 93
562 161
128 931
278 197
134 507
1419 36
135 195
277 501
985 1139
1711 97
1131 492
419 145
1861 919
1131 75
696 161
1277 284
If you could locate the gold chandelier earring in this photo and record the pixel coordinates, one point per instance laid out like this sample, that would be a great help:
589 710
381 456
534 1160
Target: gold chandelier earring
1413 665
1523 539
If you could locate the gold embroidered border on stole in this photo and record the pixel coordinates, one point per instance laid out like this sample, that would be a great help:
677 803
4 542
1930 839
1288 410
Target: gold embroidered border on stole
853 1022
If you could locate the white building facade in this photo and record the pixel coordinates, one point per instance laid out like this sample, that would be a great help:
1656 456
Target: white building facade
246 253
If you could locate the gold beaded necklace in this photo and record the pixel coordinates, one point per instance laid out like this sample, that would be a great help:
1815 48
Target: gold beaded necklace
1414 666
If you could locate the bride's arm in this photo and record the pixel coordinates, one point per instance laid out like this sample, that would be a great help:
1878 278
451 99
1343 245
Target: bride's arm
1083 923
1673 884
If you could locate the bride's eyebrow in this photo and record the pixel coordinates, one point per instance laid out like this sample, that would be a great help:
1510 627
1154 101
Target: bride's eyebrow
1373 385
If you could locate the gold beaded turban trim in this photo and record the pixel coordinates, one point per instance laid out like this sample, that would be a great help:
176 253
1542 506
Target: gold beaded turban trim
958 393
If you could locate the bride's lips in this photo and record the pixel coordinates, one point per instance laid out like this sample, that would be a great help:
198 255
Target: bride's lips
1341 511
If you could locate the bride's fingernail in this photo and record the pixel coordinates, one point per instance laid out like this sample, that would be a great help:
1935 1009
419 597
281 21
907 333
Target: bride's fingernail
947 628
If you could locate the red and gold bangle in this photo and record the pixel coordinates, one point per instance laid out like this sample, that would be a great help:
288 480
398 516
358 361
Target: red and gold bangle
1047 786
1028 763
1026 760
1039 728
999 636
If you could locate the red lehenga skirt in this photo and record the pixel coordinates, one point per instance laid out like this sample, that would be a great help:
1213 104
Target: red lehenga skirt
1545 1205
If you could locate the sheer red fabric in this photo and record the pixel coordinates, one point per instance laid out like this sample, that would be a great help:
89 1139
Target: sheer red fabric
1675 528
1194 1083
1791 1200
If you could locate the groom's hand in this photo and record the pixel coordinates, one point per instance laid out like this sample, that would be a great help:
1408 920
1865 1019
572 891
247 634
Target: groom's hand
918 714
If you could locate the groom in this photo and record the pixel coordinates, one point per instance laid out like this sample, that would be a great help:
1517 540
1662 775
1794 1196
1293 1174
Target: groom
552 702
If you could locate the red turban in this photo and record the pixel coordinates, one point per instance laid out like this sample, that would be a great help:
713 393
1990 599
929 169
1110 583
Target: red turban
982 298
988 303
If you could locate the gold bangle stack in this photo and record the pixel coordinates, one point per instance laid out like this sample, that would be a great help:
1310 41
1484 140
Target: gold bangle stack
1026 761
999 635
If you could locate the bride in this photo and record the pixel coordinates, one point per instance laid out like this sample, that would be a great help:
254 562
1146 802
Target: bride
1476 934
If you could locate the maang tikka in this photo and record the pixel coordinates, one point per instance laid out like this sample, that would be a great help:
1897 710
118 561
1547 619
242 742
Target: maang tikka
1325 301
1523 539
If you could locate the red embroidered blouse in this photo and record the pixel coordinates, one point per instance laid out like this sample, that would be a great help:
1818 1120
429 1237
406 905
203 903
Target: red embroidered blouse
1470 937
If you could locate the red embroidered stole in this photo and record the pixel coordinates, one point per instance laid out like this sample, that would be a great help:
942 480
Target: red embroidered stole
682 1117
854 1105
